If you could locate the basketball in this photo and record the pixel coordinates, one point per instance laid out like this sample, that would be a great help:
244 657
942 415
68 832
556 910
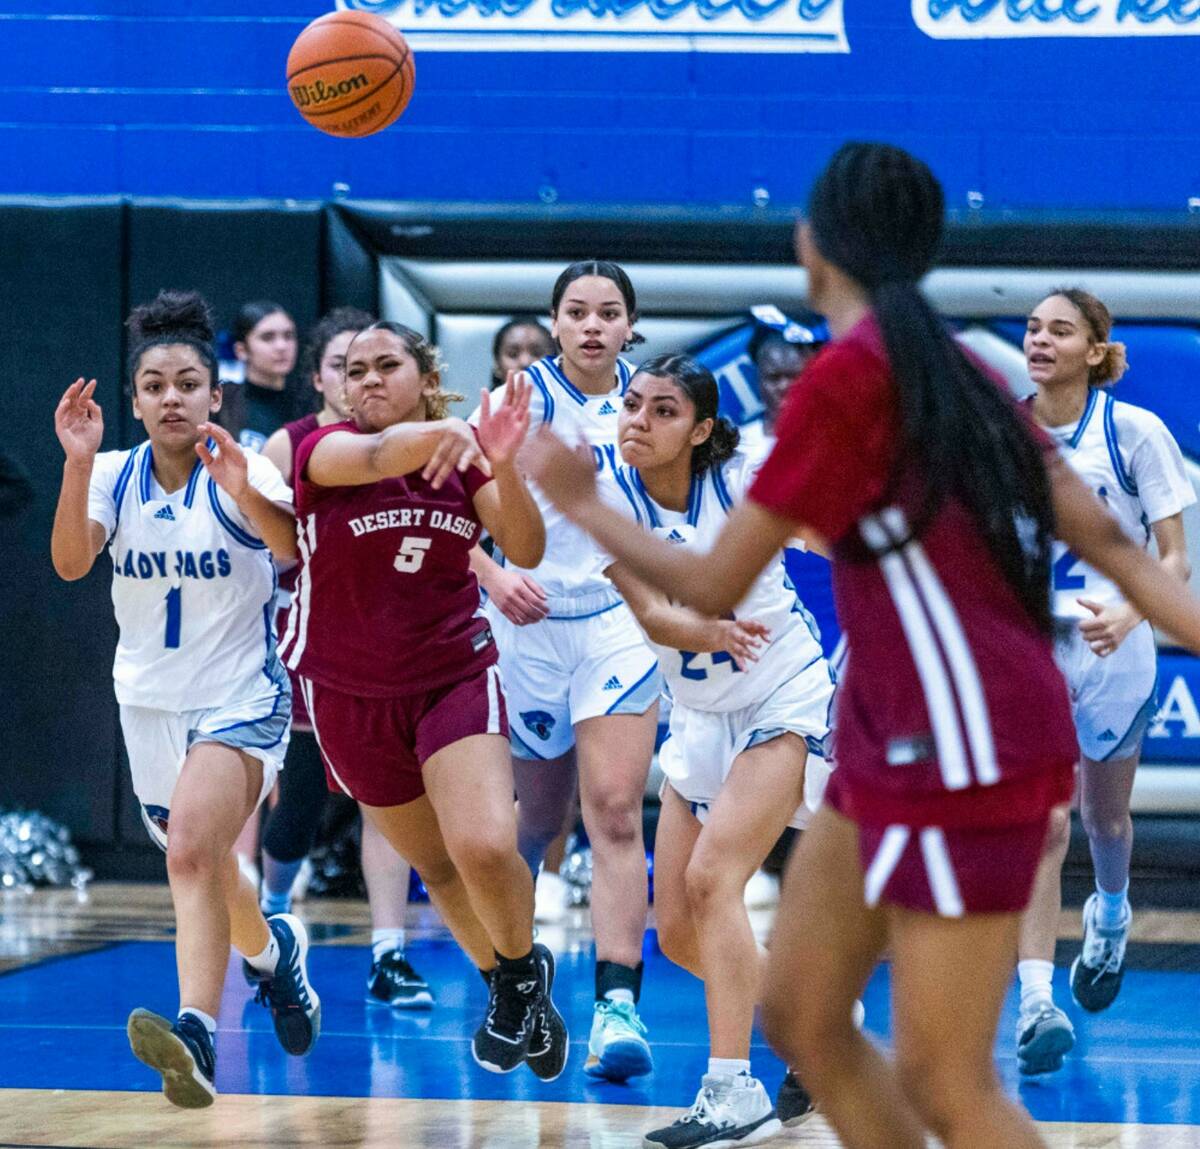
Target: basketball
350 74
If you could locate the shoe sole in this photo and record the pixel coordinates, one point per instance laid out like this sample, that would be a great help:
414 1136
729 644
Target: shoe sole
799 1119
764 1132
1048 1053
561 1021
301 1048
416 1002
490 1067
621 1061
154 1044
1092 1006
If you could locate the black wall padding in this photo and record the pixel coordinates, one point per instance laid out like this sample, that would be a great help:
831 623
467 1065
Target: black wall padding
61 299
750 235
351 272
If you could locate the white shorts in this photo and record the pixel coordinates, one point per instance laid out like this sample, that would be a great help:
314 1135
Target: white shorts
157 742
563 670
700 750
1115 698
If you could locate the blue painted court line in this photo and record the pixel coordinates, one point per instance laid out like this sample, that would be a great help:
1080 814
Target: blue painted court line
62 1026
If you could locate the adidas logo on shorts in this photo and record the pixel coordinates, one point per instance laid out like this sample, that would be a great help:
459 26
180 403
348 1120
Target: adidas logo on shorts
675 537
607 408
165 513
1107 736
613 683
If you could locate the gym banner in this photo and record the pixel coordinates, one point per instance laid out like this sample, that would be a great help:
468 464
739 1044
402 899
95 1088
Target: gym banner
623 25
1006 19
1174 735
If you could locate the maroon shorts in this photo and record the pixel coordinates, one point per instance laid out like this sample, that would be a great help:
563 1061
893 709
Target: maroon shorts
374 748
951 871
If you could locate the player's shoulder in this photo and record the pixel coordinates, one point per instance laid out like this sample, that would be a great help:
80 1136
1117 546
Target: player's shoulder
113 469
1135 423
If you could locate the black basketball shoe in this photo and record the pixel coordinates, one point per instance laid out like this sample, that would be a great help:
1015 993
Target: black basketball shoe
502 1042
549 1045
392 981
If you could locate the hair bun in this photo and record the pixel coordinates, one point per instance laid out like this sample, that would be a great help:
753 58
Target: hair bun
172 314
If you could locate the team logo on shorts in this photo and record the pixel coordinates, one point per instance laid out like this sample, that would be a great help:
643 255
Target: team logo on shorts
539 722
158 816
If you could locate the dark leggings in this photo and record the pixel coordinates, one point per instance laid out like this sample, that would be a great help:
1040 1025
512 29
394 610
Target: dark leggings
292 826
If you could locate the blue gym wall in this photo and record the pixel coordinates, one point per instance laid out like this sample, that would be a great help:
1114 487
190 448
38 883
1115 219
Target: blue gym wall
186 97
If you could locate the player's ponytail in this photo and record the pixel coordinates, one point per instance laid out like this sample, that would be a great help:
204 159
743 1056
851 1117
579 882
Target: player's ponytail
876 213
697 383
173 317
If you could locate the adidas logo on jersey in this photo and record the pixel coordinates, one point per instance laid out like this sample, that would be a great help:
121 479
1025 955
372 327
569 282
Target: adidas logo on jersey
1107 736
613 683
606 408
676 537
165 513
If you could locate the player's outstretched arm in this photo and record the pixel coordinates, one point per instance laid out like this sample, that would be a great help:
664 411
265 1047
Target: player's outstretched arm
275 523
1083 523
713 583
436 449
506 507
76 540
682 628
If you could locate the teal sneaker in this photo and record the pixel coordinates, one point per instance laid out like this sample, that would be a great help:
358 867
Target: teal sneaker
617 1047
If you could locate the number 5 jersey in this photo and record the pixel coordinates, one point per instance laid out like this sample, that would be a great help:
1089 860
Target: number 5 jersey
386 603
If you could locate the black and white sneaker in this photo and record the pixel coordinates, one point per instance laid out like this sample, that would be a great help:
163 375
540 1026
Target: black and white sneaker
501 1043
728 1111
549 1045
793 1105
392 981
182 1052
294 1004
1096 974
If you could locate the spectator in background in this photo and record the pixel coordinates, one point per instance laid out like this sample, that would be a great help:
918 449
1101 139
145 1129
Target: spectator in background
264 341
779 355
521 341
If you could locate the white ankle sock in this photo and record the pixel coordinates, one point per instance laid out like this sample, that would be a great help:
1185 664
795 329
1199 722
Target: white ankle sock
1110 908
266 961
209 1022
727 1067
1036 978
384 941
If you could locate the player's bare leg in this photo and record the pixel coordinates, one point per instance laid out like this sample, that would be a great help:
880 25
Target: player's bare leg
825 945
949 980
761 795
674 841
217 789
545 790
413 831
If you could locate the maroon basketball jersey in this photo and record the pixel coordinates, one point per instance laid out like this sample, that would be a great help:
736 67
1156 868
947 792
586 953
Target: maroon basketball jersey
386 603
951 710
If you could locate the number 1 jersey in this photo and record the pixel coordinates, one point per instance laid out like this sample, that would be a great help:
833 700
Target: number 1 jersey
386 603
192 585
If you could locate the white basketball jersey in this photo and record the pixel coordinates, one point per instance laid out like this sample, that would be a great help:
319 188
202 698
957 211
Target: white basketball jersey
192 585
1127 456
711 681
573 565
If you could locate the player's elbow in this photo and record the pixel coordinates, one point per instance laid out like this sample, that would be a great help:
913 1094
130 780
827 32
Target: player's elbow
525 548
70 569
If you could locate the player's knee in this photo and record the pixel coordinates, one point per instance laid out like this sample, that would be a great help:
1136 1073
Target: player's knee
803 1027
676 937
539 826
1102 826
615 818
484 853
945 1090
191 855
708 884
1058 832
438 873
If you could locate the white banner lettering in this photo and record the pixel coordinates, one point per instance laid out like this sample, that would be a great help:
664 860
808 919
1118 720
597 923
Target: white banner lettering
1003 19
623 25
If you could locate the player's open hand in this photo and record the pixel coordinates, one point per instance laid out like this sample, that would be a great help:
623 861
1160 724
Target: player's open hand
1109 626
744 639
78 422
457 449
521 600
227 464
503 430
568 477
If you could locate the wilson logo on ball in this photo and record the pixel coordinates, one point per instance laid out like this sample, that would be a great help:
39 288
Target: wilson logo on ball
319 92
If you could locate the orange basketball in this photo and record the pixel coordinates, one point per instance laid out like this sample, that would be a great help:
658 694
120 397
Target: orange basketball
350 73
